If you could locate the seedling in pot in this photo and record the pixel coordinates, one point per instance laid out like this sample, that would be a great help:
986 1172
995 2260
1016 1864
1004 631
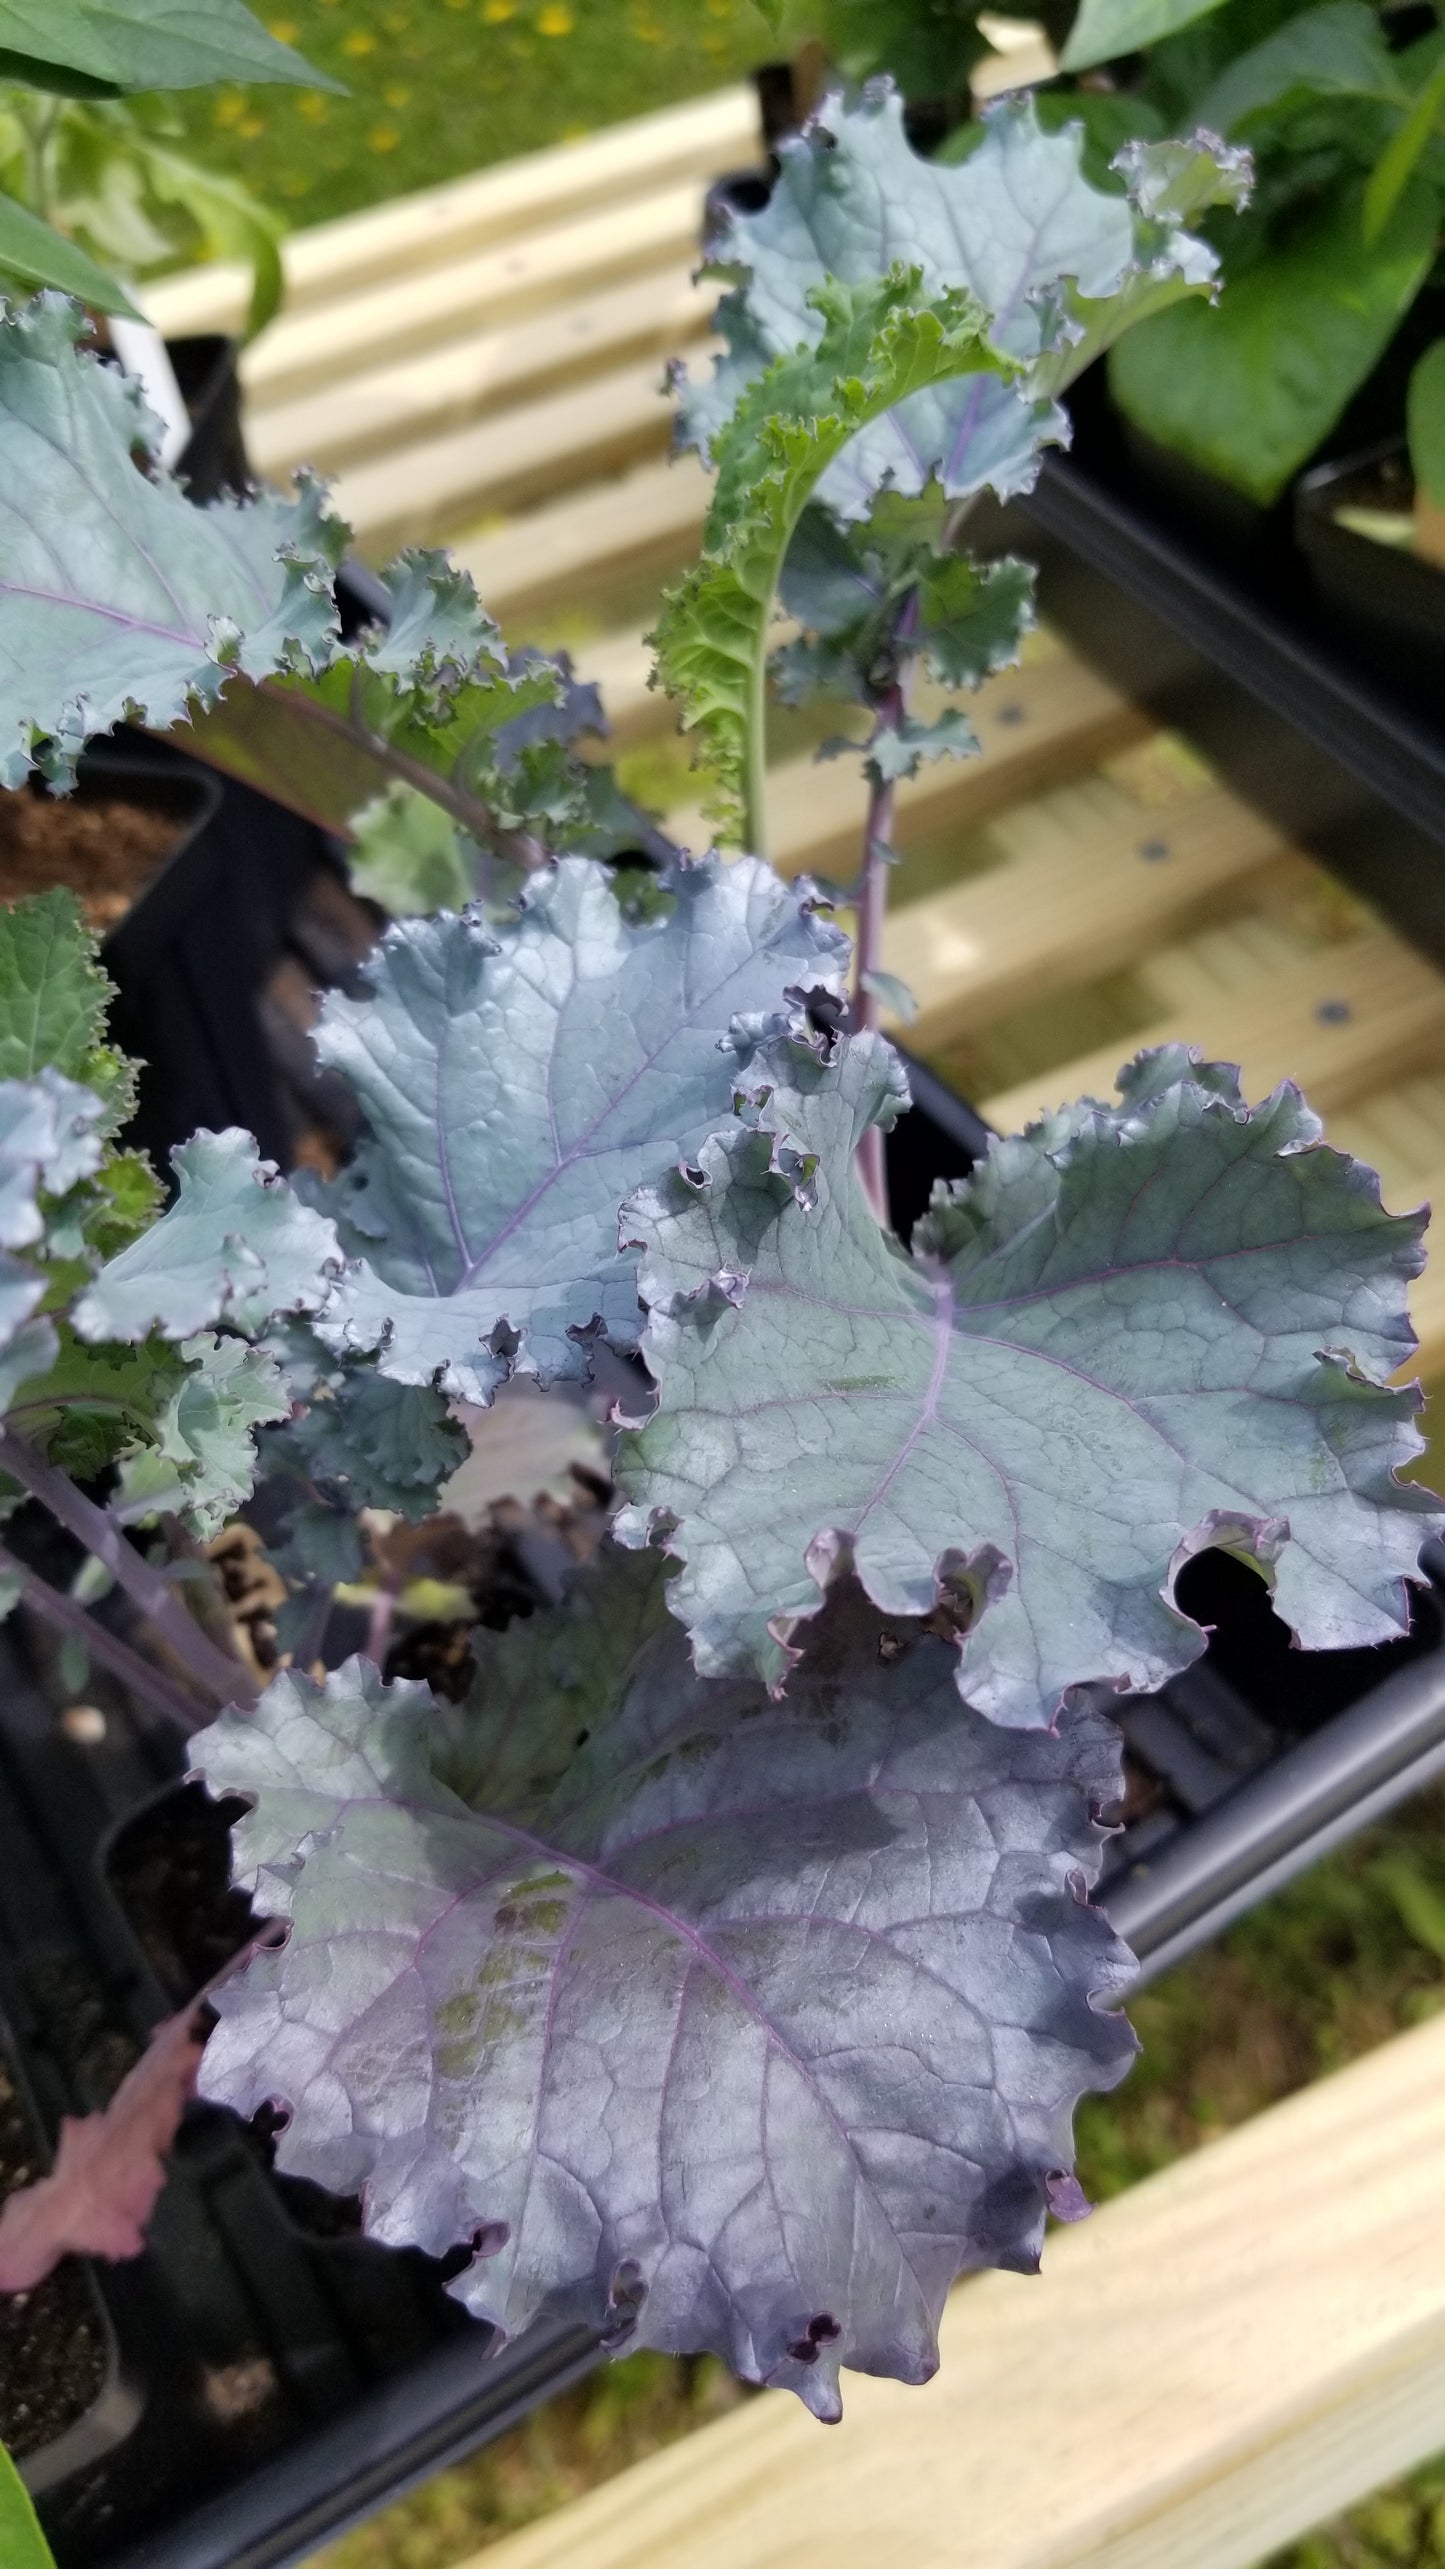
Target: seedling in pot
721 1968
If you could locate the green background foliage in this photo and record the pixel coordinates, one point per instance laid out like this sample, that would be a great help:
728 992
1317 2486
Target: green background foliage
441 86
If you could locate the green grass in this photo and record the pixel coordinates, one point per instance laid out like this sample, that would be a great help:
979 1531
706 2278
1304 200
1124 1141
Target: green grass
1347 1957
442 86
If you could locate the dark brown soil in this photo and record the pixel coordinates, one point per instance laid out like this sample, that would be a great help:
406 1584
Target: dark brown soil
101 847
170 1869
52 2353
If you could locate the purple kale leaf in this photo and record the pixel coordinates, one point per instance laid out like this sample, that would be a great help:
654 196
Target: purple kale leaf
712 2021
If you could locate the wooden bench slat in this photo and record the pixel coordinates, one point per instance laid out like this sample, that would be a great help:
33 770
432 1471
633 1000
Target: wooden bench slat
1341 1021
1033 723
691 142
417 495
619 664
1048 921
317 349
645 521
1220 2358
411 398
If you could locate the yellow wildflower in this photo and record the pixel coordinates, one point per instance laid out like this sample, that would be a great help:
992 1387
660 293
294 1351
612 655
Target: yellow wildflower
383 138
360 41
495 13
285 30
313 106
556 19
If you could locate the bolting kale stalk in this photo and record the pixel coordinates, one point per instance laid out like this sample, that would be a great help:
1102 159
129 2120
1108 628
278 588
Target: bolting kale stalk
721 1967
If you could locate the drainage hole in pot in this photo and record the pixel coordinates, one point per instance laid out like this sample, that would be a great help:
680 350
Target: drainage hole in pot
52 2359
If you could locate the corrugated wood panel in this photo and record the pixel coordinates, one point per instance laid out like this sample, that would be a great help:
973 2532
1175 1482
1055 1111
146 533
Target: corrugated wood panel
1220 2358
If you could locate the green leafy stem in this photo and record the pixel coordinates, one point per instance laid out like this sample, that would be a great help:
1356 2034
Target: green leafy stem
881 342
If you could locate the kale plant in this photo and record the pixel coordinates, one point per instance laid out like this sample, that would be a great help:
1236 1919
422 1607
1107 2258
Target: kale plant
721 1967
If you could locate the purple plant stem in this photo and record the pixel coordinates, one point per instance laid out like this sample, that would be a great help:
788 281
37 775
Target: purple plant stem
890 708
151 1684
227 1679
872 910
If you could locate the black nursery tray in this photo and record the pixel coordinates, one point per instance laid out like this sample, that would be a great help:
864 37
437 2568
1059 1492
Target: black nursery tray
1292 703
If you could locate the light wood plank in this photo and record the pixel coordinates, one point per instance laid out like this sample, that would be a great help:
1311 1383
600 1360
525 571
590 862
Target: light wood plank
1220 2358
402 402
1339 1022
1069 913
620 664
317 348
422 492
645 521
693 142
1033 723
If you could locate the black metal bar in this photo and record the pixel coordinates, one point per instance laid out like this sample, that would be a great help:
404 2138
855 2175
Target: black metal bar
1400 759
433 2415
1302 1805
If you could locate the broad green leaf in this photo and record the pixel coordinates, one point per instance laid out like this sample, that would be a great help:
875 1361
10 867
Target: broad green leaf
53 993
409 856
1212 381
713 2022
148 44
1425 419
1338 50
1402 154
514 1076
231 224
53 1003
236 1245
200 1461
117 598
879 345
1059 267
1105 29
1137 1330
22 2544
33 254
928 46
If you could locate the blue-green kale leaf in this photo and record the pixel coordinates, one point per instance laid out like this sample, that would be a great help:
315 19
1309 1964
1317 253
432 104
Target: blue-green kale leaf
515 1078
1136 1330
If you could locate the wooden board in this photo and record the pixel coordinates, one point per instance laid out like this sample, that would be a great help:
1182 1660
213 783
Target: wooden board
691 142
1070 912
534 448
1033 723
382 408
644 521
317 347
1220 2358
1338 1023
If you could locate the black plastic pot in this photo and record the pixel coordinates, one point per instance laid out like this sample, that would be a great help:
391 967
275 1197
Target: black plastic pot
1383 602
191 957
274 2377
213 463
